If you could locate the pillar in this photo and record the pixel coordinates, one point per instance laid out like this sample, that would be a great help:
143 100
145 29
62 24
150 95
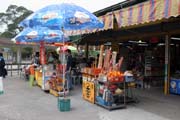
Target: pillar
115 45
87 50
19 54
167 65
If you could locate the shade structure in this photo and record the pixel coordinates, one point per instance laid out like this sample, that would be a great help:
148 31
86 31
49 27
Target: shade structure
65 15
38 34
146 12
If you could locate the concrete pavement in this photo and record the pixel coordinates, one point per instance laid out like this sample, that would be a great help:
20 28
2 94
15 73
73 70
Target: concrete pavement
21 102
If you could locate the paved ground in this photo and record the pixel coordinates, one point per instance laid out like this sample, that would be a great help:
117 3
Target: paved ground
20 102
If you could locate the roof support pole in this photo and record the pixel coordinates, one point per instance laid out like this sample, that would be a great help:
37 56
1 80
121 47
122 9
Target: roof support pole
19 57
19 54
167 65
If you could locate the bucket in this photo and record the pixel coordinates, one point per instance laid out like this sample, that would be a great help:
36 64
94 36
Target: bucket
64 104
31 80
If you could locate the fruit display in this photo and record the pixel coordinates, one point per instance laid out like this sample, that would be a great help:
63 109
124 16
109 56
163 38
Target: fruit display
109 90
115 76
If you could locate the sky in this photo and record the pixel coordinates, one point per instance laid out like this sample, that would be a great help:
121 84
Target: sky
90 5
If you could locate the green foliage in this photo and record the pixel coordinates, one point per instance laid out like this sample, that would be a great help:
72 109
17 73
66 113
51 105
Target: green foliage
27 52
14 14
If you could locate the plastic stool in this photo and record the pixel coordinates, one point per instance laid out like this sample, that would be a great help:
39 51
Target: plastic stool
79 78
73 80
76 79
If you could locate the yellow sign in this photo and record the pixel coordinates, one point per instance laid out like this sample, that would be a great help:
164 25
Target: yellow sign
88 91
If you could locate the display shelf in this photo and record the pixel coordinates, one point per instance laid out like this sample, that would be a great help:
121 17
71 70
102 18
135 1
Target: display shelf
118 94
111 107
115 82
106 96
153 65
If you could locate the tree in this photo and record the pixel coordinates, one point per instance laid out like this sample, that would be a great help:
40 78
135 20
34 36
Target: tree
11 18
27 52
9 23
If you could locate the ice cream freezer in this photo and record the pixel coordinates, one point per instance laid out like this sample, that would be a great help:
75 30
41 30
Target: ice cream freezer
175 86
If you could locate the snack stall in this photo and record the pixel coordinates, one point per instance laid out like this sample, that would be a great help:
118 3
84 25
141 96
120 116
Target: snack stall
49 76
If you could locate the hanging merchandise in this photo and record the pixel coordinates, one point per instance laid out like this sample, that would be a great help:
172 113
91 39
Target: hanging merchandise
100 62
107 59
113 59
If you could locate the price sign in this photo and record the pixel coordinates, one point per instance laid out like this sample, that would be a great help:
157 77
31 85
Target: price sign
88 91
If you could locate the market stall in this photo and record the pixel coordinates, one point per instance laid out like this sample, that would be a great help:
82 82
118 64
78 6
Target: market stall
106 85
43 68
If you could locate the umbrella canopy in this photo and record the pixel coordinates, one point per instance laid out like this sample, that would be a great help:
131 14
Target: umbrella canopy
65 15
38 34
65 47
72 48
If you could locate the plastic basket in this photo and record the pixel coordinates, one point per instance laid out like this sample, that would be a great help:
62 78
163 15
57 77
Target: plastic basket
129 78
64 104
103 102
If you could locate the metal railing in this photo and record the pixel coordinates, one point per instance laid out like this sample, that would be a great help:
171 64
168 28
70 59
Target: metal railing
15 68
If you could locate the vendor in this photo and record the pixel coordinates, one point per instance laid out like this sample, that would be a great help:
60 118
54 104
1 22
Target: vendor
50 58
68 69
36 60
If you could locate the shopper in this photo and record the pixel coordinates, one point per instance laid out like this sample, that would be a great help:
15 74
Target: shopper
2 72
68 69
36 59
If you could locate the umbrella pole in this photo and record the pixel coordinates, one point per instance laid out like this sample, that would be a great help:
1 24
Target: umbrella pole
64 72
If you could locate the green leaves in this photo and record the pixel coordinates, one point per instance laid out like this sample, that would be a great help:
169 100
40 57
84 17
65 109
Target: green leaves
10 19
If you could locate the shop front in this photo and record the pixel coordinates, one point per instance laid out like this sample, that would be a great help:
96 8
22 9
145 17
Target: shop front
146 30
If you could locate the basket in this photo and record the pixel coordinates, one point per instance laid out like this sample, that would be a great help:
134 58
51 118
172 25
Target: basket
64 104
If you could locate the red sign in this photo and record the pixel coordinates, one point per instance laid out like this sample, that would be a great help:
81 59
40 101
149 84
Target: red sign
154 40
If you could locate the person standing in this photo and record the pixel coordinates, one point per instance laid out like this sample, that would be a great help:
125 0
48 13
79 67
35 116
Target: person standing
68 69
36 60
2 72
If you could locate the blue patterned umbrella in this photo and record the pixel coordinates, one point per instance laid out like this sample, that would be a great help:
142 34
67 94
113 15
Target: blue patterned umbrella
40 34
65 15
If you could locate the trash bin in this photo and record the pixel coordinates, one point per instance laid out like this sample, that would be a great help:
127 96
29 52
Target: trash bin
64 104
